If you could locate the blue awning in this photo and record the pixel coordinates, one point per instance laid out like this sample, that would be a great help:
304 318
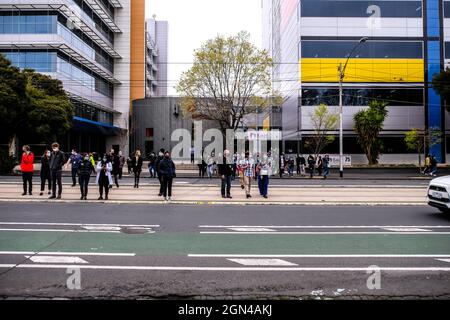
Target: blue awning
89 126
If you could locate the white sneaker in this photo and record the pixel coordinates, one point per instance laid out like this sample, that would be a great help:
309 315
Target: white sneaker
168 199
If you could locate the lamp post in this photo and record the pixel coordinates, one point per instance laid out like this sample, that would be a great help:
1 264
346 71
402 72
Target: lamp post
341 134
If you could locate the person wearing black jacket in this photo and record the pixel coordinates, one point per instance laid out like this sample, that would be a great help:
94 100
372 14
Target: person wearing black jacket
85 170
57 160
45 172
157 166
167 170
115 161
225 173
136 164
311 165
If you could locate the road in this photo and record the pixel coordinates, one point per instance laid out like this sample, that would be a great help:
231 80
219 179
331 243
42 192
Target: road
211 251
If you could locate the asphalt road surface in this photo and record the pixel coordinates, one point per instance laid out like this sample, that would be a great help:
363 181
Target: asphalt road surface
60 250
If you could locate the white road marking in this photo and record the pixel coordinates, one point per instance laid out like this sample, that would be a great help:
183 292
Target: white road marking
100 228
324 227
319 255
238 269
444 260
79 224
263 262
53 259
324 233
252 229
407 229
106 254
57 230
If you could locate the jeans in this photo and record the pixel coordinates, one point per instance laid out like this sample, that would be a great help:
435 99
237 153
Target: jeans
56 180
27 178
167 186
83 180
152 171
263 185
74 175
226 186
210 170
326 171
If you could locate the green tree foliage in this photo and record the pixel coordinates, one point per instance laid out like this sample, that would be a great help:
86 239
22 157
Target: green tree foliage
323 121
32 104
420 140
441 84
368 124
230 78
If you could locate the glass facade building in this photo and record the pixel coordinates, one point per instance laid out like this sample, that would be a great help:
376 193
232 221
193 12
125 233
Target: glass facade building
87 45
408 44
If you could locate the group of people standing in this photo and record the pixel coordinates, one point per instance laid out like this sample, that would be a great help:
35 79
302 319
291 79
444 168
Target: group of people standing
108 171
319 165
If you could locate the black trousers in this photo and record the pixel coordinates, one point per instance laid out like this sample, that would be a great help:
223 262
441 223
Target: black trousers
137 175
56 180
116 178
161 184
46 178
167 186
120 173
102 186
226 186
83 180
27 178
74 175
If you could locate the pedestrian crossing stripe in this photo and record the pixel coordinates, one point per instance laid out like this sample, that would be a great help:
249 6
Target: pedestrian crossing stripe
407 229
252 229
444 260
263 262
56 259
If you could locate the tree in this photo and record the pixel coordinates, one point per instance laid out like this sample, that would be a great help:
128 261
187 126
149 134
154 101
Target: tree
420 140
441 84
230 78
12 107
32 105
368 124
323 121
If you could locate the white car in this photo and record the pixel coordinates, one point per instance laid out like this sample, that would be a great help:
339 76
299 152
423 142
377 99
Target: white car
438 194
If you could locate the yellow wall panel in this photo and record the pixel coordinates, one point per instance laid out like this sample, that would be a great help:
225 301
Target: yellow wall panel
362 70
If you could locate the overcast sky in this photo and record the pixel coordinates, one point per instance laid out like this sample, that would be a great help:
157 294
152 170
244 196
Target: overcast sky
192 22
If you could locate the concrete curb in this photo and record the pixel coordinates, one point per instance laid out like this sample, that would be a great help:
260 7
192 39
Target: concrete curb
235 203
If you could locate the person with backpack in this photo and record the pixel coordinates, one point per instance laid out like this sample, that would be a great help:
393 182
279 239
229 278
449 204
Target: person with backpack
45 172
74 159
57 161
168 173
85 170
27 168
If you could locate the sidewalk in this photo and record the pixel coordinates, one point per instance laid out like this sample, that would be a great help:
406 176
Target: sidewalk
205 194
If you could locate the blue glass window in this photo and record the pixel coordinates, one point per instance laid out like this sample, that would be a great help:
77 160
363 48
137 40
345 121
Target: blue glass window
433 21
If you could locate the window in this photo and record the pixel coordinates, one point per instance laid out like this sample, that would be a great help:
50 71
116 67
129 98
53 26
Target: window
361 97
447 50
41 61
27 23
371 49
345 8
446 9
149 132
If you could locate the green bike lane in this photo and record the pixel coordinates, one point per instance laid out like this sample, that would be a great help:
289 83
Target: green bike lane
183 244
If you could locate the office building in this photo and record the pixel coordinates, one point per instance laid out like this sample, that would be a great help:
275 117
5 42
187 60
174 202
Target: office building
408 43
95 47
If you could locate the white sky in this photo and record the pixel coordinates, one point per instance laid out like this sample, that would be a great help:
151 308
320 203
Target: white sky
192 22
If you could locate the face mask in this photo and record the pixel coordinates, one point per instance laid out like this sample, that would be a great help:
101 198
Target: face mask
86 158
104 159
160 154
167 156
74 153
48 154
55 149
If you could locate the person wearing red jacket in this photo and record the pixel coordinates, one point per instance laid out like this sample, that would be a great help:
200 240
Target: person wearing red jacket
27 168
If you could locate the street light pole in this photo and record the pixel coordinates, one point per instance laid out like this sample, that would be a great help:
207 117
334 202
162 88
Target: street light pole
341 117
